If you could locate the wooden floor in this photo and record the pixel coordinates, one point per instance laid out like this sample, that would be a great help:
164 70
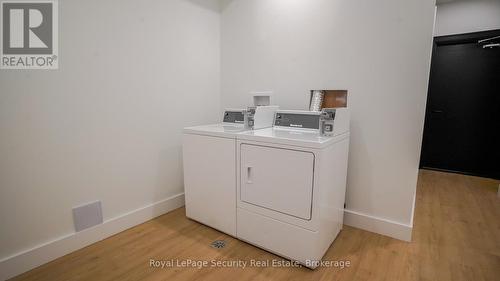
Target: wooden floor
456 236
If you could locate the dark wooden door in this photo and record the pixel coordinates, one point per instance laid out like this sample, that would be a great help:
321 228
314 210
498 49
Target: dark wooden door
462 122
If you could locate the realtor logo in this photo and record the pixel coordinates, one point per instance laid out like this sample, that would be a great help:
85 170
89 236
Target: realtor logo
29 35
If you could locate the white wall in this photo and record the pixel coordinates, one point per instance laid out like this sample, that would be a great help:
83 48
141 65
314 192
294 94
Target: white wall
107 125
378 50
467 16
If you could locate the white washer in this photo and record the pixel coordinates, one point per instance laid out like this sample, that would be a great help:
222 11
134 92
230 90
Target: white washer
209 155
291 185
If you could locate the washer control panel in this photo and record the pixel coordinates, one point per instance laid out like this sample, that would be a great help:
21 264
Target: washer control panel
233 116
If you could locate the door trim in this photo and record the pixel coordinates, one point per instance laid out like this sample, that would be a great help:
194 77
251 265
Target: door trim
464 38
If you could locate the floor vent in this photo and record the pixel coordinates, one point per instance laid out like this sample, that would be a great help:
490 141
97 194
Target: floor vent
218 244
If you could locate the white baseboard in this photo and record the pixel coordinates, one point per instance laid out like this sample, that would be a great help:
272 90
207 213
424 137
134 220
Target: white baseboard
378 225
41 254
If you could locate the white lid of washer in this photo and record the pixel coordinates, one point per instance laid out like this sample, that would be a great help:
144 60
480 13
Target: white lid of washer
224 130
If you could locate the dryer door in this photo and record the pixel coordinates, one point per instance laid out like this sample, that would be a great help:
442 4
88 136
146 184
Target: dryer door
277 179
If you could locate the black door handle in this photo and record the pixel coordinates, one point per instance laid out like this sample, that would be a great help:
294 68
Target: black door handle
436 111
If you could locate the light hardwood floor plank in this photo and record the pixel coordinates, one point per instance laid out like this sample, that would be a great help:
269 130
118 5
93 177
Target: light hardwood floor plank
456 236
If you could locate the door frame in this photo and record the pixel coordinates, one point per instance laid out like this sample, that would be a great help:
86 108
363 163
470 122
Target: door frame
471 37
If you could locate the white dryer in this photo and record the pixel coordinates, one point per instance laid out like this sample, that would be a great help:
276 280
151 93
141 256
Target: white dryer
291 184
209 160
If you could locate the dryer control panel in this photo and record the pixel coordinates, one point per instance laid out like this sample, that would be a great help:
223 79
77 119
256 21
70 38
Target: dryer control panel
297 119
328 122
